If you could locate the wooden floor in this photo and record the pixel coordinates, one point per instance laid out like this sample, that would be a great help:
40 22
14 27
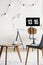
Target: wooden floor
13 55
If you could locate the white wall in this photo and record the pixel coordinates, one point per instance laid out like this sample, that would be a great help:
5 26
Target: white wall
8 31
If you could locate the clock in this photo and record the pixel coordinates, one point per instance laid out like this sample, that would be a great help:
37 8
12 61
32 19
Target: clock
33 21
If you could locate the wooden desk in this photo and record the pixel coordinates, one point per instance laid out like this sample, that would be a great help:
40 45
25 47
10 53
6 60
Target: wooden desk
10 45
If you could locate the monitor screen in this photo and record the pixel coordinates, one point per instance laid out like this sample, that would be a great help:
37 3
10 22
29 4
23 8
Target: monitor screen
33 21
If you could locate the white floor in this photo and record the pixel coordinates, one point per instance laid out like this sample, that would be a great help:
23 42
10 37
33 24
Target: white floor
13 58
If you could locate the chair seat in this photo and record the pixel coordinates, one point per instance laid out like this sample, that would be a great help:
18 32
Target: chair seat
34 46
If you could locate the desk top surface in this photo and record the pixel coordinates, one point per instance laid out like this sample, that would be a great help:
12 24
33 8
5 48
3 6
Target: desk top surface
9 45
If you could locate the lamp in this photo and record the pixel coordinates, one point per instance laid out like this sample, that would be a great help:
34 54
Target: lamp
18 34
34 21
15 16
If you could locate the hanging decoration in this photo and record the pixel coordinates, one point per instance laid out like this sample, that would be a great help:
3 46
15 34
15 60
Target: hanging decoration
5 6
28 2
7 3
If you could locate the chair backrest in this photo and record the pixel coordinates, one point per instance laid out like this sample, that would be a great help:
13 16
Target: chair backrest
41 43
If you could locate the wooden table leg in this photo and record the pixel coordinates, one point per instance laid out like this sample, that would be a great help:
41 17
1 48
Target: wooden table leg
6 57
1 51
18 51
37 56
27 56
42 52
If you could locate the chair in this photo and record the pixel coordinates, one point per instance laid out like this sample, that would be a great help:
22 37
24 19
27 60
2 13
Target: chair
32 31
39 46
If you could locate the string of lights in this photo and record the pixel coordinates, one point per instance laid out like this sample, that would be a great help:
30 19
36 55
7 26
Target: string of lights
7 9
25 4
20 1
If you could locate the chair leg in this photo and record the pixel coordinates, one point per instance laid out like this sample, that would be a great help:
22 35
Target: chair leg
42 52
27 56
6 57
18 51
37 56
1 51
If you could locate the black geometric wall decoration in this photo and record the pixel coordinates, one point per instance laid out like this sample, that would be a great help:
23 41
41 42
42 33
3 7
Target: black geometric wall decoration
32 21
